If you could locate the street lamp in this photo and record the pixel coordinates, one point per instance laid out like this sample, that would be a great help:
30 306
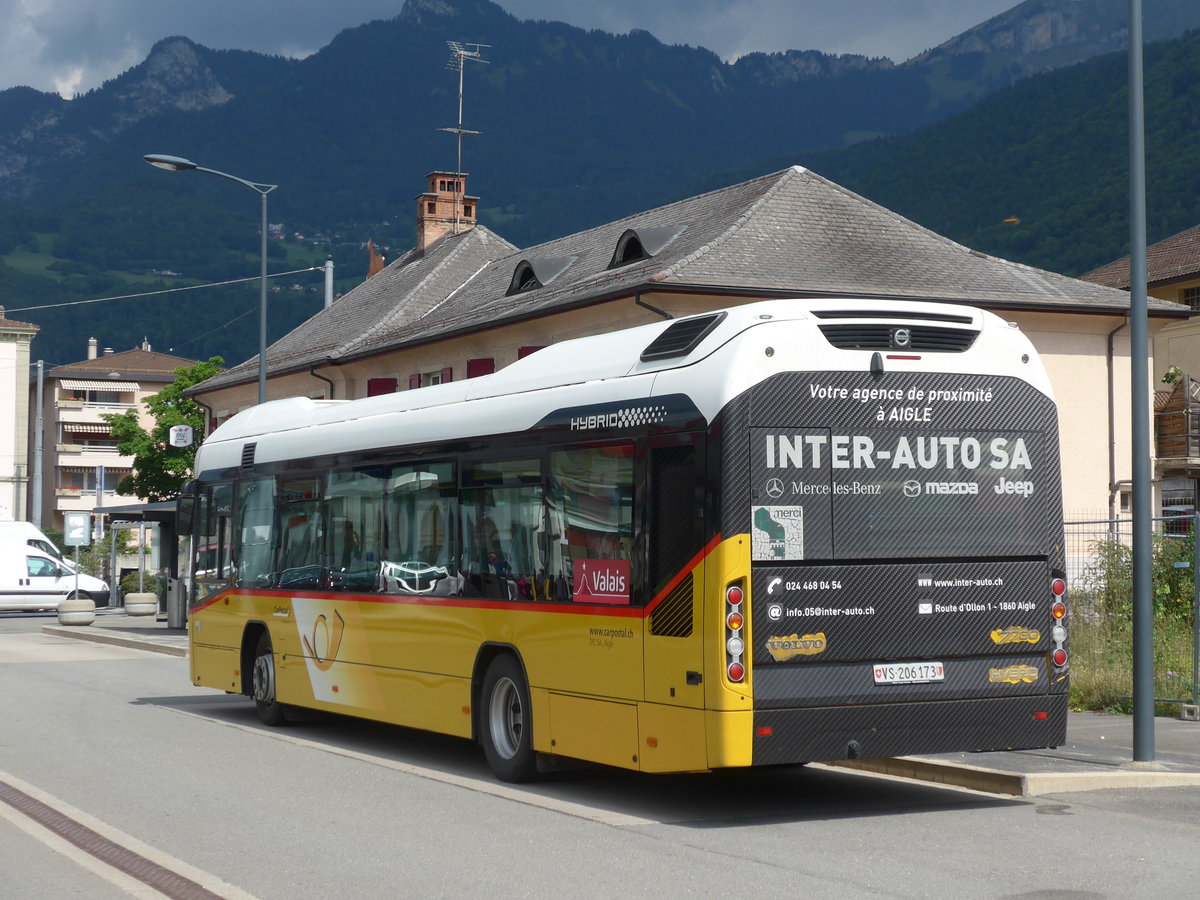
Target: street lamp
178 164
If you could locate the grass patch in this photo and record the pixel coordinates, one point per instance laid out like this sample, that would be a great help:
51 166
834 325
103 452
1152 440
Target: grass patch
1102 663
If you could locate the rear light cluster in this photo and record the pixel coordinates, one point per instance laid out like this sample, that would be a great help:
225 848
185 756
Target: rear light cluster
1058 656
735 644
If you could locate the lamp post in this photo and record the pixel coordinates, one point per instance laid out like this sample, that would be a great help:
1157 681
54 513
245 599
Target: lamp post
178 164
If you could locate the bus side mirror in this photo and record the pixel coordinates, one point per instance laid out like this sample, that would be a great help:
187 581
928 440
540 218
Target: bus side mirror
185 511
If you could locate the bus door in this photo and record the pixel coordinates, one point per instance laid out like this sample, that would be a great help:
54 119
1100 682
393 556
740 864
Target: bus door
674 529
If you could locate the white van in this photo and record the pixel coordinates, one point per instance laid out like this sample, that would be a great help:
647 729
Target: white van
30 579
29 534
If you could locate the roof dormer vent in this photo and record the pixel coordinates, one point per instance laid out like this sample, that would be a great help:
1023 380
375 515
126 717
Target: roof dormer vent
643 243
531 274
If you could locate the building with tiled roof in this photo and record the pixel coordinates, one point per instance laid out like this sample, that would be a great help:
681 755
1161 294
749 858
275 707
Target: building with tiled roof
1172 273
469 302
15 338
80 464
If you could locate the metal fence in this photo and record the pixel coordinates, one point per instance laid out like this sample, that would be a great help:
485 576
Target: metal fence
1098 555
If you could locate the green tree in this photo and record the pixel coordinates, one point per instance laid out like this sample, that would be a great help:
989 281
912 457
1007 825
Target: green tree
159 469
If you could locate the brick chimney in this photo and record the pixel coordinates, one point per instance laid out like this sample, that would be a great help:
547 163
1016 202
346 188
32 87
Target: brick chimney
445 208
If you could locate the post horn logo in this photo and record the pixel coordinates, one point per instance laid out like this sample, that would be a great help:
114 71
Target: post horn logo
793 645
1015 634
326 639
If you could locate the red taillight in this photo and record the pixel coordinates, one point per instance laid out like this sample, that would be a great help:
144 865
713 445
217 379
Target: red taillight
1058 610
1060 657
734 625
1040 716
1058 587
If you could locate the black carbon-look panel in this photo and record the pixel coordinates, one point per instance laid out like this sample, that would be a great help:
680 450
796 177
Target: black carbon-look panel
886 611
827 684
810 735
841 466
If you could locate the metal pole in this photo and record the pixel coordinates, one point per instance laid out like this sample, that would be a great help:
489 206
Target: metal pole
262 309
328 283
38 425
1196 609
1143 600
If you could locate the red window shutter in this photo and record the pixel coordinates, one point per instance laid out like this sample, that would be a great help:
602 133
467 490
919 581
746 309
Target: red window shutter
523 352
377 386
447 375
484 365
414 381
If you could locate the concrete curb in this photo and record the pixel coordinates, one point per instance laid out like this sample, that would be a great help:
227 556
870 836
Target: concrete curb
119 640
1032 784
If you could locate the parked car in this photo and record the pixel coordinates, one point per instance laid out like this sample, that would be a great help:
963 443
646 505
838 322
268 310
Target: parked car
31 580
29 534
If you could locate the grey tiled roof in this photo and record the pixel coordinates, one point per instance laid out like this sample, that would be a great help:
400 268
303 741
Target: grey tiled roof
788 233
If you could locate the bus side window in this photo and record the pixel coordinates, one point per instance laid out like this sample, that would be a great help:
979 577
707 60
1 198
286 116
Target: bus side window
213 563
590 506
420 512
502 520
255 507
300 536
352 509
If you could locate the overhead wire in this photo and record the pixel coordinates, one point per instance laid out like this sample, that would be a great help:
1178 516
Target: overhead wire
174 290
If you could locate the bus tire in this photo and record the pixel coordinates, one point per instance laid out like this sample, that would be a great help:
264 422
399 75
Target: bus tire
506 730
270 710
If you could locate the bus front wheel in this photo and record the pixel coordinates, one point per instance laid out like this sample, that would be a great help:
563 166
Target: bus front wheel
270 710
507 732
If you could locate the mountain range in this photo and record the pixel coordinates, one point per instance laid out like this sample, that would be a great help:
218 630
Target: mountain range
576 128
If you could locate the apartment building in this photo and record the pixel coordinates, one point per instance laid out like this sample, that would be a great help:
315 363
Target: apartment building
80 465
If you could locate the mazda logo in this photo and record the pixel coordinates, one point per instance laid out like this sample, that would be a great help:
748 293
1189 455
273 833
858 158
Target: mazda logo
912 489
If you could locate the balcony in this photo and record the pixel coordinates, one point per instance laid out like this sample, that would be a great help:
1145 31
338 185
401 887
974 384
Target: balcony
1177 429
89 413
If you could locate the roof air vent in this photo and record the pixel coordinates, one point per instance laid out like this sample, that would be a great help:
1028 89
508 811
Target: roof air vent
248 454
643 243
531 274
682 337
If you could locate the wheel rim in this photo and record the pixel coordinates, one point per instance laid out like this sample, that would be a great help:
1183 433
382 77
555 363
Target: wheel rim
507 718
264 678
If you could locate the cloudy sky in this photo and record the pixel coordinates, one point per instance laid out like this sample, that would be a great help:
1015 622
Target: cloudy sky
74 45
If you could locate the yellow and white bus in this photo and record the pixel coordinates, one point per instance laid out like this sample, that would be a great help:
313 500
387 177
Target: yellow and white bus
788 531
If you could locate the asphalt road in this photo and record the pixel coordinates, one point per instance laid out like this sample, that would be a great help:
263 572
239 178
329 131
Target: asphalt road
187 781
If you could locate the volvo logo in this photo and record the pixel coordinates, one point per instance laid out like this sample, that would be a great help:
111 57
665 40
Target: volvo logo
774 488
901 339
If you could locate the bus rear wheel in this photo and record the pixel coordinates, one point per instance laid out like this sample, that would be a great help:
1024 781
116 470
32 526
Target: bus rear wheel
270 710
507 728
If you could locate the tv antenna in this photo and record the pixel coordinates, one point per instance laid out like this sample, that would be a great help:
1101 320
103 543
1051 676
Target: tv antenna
459 54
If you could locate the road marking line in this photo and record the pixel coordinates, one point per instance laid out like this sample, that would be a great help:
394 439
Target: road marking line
479 785
144 856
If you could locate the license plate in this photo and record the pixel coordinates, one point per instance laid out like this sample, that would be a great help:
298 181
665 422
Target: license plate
909 673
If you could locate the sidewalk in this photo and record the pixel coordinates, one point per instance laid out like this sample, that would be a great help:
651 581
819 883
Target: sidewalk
112 626
1098 753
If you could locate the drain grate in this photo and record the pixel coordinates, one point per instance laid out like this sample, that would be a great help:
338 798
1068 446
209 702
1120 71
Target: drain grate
163 880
